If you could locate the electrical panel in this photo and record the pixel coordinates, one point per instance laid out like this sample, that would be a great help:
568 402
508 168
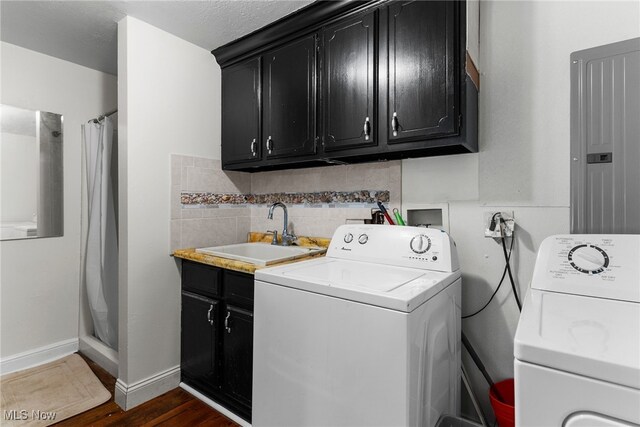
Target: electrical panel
605 139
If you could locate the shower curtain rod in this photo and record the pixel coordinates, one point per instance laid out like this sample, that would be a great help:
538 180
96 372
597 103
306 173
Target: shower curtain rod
97 119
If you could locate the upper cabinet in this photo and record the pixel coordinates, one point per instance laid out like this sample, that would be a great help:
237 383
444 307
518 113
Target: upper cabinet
423 95
349 86
241 112
289 94
349 82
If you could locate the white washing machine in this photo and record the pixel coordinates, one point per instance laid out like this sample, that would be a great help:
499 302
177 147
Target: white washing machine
577 346
367 336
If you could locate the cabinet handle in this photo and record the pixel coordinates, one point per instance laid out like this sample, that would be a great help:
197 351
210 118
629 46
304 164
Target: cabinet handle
394 124
209 315
226 322
269 145
254 147
367 129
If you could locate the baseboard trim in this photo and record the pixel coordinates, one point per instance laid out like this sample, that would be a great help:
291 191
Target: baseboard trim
100 353
215 405
128 396
38 356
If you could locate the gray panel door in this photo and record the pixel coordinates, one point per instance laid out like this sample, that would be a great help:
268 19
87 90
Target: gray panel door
605 139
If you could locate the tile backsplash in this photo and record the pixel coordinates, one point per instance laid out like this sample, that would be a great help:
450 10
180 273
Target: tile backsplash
322 221
213 207
329 199
210 226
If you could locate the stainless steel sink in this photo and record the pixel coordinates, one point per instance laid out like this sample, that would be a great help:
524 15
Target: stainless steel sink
260 253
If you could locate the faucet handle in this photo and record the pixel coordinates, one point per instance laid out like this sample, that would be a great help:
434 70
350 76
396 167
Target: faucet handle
274 241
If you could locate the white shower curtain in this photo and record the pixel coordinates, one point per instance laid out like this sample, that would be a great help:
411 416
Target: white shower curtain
101 257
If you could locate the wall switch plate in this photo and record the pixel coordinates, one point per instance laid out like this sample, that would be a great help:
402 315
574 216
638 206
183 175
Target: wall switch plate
497 233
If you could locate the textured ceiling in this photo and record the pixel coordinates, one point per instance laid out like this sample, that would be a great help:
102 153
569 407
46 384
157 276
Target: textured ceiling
85 32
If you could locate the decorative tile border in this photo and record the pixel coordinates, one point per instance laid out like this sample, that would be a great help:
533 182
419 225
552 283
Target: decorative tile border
362 198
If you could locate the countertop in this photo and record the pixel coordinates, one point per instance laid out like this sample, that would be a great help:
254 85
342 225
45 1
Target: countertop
245 267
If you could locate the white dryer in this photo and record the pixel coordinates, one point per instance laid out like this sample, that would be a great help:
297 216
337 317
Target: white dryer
367 336
577 346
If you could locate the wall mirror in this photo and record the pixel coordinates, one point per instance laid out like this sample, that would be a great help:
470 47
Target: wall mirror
31 174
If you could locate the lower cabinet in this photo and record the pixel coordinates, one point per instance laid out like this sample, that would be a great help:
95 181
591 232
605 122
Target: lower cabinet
237 354
217 335
198 357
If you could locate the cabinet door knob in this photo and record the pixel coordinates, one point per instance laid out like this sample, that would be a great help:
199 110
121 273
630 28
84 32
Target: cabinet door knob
209 315
226 322
269 145
367 129
254 147
394 124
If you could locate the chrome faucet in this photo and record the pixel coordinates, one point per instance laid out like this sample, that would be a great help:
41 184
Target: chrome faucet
287 238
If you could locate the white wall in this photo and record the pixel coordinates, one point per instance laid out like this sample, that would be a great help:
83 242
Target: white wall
19 177
523 163
169 102
40 277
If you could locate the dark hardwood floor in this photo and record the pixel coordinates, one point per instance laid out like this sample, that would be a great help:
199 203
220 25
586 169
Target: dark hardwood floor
174 408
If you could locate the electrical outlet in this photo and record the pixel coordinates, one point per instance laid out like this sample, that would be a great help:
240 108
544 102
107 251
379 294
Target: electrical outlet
497 232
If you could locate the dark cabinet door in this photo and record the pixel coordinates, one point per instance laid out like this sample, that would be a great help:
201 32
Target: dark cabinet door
289 94
238 353
422 98
198 338
241 112
349 84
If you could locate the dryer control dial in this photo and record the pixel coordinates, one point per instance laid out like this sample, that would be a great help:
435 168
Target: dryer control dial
420 243
348 238
588 259
363 238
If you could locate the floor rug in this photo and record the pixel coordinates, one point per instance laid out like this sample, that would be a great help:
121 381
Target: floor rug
50 393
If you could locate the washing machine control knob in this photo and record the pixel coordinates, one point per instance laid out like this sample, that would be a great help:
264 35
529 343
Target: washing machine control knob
348 238
588 259
420 243
363 238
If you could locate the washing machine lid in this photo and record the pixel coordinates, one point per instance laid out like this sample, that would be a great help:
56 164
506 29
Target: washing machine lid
592 337
396 288
597 265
